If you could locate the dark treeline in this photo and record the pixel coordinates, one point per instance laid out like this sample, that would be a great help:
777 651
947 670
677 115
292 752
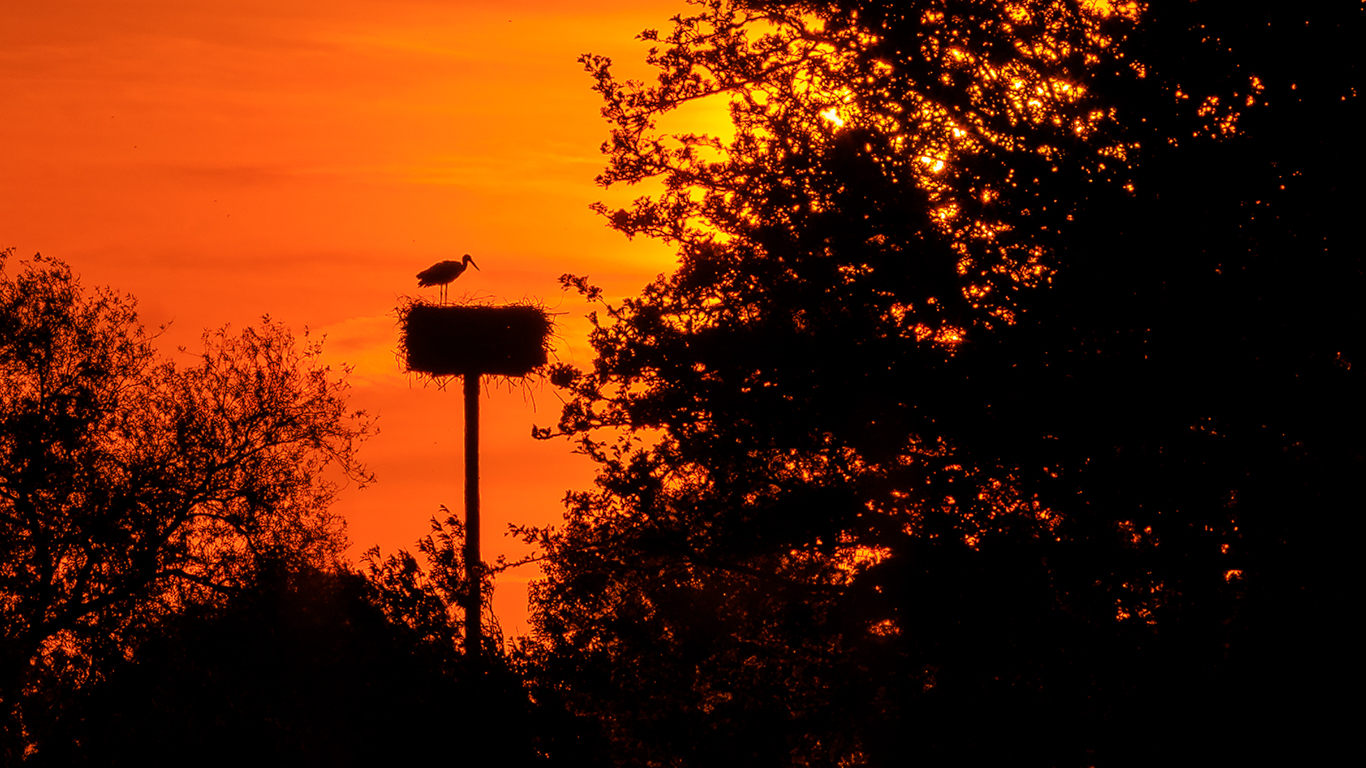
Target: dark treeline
308 667
1004 408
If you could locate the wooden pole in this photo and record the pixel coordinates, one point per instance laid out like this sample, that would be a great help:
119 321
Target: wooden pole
474 605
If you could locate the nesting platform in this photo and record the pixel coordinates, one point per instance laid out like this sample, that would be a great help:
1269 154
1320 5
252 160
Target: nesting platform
444 340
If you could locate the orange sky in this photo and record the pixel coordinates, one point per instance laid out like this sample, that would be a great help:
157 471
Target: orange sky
221 160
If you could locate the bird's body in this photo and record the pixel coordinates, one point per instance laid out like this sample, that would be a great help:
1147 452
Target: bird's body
443 272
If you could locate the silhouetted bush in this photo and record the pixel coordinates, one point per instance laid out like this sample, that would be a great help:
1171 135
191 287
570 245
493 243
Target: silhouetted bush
300 669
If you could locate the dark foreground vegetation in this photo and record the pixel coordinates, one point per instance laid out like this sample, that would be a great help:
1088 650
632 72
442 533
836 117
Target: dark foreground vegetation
1005 408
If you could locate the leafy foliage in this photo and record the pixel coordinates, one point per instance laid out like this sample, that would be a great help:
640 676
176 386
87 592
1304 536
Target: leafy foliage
882 132
131 487
432 600
428 601
967 410
306 665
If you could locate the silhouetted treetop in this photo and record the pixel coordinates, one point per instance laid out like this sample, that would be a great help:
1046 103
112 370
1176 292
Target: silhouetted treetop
132 486
432 600
928 146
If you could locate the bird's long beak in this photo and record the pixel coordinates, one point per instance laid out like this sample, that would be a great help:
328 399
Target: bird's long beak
476 266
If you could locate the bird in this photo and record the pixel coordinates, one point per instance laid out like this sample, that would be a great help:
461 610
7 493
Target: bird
443 272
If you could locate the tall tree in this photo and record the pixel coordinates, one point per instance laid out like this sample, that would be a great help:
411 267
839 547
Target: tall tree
130 487
964 427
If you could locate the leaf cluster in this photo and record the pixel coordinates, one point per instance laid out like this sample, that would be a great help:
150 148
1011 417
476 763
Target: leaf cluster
432 600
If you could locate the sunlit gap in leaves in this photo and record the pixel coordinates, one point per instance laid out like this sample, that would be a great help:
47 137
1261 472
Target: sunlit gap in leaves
1139 599
838 563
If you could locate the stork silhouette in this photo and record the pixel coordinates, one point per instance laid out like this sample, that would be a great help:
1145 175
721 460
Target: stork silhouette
443 272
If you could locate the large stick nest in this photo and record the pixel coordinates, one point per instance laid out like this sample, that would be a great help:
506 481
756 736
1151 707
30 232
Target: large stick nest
441 340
